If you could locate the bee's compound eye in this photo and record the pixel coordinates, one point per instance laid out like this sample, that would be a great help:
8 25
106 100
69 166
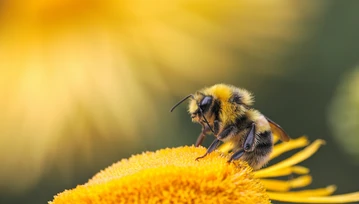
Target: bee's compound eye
205 103
206 100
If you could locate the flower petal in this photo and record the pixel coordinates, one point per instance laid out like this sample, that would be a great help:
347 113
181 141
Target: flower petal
275 139
282 172
343 198
278 185
313 192
295 159
290 145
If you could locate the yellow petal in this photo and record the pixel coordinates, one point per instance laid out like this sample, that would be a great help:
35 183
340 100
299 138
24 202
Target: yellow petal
282 172
296 158
225 147
343 198
290 145
278 185
314 192
275 139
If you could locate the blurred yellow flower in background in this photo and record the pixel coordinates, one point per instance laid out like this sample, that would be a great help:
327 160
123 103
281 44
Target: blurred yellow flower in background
174 176
72 71
344 114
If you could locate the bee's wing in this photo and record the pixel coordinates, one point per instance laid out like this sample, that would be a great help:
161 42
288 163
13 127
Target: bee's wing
278 130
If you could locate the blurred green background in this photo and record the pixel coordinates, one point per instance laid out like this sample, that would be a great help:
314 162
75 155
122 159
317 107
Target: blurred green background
86 83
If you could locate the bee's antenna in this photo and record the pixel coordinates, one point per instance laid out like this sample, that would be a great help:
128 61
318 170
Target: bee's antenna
177 104
205 120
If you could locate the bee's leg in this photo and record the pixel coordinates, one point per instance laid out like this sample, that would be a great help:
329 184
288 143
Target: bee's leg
211 148
226 132
248 144
200 139
205 130
216 127
238 154
202 135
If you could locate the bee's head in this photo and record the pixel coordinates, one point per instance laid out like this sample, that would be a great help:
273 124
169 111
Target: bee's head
199 107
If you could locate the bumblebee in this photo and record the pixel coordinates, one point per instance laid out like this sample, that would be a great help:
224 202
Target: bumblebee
226 112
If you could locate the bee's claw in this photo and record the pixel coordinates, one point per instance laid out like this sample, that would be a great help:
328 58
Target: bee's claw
201 157
237 155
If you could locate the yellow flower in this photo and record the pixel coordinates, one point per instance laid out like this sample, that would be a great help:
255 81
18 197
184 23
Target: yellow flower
170 175
173 175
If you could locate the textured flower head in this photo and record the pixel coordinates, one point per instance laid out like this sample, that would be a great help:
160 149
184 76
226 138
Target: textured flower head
173 175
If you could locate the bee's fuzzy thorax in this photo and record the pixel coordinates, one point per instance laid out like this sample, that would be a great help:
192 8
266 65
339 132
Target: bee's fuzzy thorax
246 97
221 92
225 94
